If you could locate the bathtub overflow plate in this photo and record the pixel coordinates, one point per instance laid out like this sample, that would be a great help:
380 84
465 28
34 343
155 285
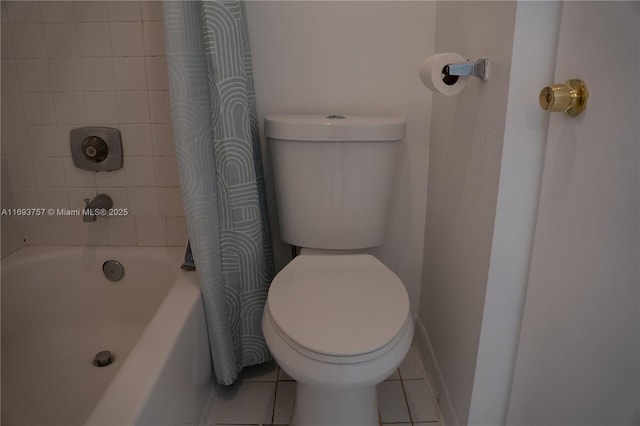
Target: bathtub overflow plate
113 270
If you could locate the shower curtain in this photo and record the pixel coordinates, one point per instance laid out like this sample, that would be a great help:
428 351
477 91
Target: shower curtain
218 154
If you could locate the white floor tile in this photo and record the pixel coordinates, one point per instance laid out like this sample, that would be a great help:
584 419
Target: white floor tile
391 402
394 376
285 400
284 376
266 372
420 400
411 367
244 403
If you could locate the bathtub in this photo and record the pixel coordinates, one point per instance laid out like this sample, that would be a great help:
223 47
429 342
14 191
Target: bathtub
59 310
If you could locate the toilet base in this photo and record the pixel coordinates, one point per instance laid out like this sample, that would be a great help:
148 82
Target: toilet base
335 407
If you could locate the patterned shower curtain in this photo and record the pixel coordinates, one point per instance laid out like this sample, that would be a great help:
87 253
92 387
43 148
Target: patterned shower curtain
218 153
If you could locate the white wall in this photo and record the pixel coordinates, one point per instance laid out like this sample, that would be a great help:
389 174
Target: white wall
71 64
352 58
464 166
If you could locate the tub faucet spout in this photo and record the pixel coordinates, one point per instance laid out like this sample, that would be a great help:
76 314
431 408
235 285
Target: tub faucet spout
99 206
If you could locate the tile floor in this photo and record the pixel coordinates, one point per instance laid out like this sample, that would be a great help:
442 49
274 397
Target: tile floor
265 395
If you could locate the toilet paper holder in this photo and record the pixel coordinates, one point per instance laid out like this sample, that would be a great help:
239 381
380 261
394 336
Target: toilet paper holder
478 69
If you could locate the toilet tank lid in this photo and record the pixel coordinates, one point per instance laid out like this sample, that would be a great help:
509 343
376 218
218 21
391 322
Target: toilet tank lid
334 128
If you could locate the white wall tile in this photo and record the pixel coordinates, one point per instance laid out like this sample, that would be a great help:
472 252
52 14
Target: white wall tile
43 141
176 231
75 177
27 197
97 74
130 73
21 174
49 172
140 171
12 109
159 106
154 38
121 231
114 178
127 39
124 11
36 230
91 11
157 76
151 231
61 40
143 201
136 139
38 109
133 107
57 11
15 140
65 74
12 235
33 75
6 45
23 11
152 11
64 137
112 231
53 198
10 79
167 171
89 86
170 202
95 39
28 40
102 107
69 230
4 18
70 108
162 136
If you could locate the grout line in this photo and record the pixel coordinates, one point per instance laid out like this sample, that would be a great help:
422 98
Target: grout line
406 401
275 397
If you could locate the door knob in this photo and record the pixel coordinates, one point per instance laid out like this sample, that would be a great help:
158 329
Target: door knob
570 97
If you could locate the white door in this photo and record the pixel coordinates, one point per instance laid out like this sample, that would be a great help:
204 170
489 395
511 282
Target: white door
578 359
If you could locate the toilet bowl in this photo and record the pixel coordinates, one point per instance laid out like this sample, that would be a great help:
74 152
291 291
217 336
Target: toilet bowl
339 325
336 319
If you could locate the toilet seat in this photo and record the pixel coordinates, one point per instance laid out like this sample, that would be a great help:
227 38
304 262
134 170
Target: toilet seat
338 305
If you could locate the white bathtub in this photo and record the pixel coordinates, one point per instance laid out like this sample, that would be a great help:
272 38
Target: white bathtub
58 311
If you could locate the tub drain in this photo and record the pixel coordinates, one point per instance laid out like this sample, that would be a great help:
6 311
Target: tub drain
113 270
103 358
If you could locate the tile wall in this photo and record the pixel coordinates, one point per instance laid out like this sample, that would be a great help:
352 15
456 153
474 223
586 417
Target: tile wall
71 64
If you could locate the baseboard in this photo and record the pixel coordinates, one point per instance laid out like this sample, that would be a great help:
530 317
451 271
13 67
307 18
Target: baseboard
438 385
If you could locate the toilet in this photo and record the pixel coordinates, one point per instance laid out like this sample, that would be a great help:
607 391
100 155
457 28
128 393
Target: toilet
336 319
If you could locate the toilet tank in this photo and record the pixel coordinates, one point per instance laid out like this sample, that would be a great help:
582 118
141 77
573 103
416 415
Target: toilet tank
333 177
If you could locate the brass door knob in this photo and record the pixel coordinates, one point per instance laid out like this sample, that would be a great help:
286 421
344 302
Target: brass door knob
570 98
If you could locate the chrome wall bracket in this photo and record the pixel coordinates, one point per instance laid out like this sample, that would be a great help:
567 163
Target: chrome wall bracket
478 69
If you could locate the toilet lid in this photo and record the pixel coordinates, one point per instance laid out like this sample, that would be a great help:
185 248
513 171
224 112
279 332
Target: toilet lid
339 305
